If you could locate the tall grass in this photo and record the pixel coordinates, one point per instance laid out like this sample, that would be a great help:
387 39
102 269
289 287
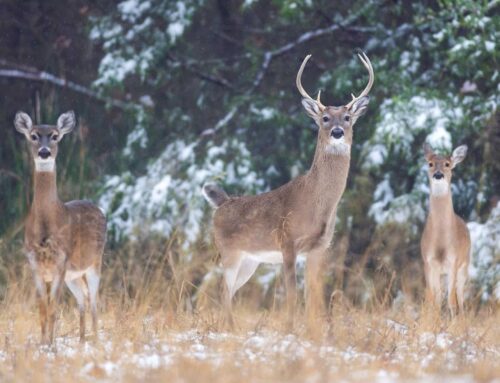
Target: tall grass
156 300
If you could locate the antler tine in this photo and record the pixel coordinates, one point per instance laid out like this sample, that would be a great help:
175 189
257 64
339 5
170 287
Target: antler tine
301 88
368 65
318 98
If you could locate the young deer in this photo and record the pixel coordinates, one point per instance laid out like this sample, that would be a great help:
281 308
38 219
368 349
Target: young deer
445 242
298 217
62 241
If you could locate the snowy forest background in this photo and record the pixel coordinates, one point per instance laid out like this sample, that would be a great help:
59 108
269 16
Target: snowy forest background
171 94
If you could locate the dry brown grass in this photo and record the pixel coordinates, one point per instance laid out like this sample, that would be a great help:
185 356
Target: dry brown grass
160 321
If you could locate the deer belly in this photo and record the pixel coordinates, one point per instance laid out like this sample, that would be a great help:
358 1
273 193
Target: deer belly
74 274
264 256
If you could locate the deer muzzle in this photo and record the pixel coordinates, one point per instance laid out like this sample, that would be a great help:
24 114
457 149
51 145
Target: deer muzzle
438 175
44 153
337 133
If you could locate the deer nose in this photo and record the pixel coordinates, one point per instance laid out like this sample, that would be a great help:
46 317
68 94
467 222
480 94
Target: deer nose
438 175
337 133
44 153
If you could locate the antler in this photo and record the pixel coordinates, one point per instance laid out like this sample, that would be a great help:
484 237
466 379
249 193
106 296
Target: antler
368 65
301 88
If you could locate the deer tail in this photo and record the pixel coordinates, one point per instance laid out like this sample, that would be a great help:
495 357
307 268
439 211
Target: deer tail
214 194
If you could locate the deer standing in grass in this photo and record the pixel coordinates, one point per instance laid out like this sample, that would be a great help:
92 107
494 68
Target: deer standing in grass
445 243
64 242
298 217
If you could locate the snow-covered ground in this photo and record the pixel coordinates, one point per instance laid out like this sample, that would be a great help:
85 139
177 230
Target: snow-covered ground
390 352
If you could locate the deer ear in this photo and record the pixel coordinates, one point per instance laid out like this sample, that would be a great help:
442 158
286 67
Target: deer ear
428 152
66 122
23 123
458 155
359 108
312 108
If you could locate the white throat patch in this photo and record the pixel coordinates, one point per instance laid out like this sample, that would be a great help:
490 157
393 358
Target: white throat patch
439 187
44 165
338 147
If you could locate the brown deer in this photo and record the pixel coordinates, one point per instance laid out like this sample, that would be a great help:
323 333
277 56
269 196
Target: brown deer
296 218
445 243
62 241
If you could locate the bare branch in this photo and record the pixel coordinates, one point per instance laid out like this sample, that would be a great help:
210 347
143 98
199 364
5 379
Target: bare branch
29 73
272 54
222 122
189 65
305 37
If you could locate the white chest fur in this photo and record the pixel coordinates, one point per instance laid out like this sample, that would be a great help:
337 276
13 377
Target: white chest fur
44 165
439 187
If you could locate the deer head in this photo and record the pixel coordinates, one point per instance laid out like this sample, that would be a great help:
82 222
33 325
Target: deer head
336 122
43 139
440 168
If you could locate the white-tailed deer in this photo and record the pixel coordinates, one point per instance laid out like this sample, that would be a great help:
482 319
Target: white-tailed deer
62 241
445 243
298 217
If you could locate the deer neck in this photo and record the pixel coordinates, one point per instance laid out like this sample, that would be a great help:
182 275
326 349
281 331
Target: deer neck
441 209
45 196
327 176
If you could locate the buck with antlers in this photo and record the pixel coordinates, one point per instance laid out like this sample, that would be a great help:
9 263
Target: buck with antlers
64 242
445 243
296 218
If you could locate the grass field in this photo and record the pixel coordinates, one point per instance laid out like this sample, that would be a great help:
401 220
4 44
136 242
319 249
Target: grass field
151 329
141 345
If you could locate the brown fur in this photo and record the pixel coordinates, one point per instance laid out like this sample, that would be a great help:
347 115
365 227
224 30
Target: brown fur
298 217
445 243
60 238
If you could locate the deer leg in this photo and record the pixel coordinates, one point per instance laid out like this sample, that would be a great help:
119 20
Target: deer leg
428 291
41 295
42 309
245 272
78 289
93 278
55 294
434 287
452 292
230 278
461 281
290 285
314 286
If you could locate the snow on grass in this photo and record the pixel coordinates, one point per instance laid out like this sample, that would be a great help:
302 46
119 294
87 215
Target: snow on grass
112 358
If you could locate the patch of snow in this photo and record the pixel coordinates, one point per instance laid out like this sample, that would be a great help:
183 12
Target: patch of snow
490 46
264 114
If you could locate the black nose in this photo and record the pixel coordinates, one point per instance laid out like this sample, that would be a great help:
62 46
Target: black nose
438 175
44 153
337 133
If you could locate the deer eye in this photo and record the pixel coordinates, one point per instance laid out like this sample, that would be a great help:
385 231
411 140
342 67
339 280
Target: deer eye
431 164
326 118
34 137
347 118
447 164
55 137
